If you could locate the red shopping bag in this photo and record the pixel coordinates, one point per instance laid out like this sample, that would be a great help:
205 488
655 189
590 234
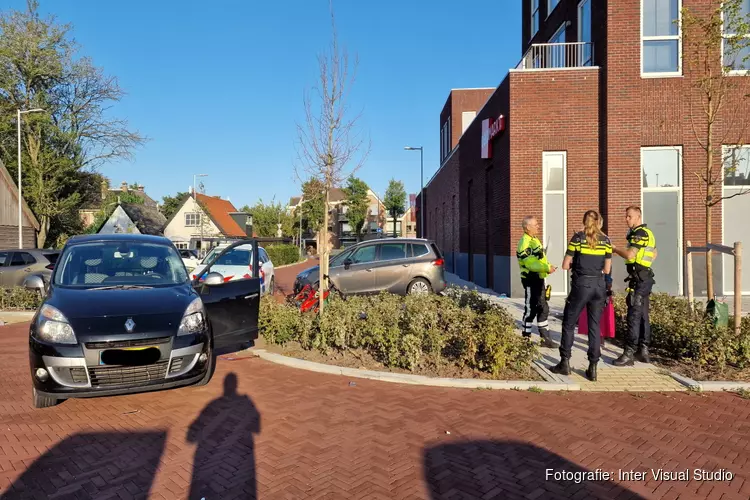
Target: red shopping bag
606 324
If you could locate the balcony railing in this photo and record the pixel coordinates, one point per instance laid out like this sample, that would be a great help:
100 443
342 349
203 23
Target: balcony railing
558 55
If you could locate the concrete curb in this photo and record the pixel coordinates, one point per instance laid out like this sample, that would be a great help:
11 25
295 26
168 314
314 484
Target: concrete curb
290 265
686 381
709 385
18 314
410 379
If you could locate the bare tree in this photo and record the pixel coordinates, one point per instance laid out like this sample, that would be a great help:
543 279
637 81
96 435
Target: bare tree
330 149
718 100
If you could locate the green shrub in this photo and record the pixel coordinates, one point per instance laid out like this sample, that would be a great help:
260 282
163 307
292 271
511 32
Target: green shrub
283 254
680 334
407 332
19 298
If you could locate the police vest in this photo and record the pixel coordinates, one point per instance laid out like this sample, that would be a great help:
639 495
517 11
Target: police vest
642 238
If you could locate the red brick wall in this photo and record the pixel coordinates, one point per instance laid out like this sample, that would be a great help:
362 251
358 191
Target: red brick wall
553 111
439 198
465 100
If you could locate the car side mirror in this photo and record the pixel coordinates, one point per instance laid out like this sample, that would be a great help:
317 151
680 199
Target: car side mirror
35 283
213 278
347 263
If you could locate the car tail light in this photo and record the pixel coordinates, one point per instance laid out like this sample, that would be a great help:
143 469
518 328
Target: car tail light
438 262
50 267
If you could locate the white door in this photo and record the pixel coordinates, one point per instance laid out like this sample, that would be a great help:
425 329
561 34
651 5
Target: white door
554 225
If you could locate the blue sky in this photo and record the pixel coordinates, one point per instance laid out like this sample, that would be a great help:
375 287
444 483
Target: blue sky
218 86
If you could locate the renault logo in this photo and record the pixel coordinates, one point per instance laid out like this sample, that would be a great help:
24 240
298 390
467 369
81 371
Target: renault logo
129 325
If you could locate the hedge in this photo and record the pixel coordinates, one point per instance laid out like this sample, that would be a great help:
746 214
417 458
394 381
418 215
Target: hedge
462 328
283 254
19 299
678 334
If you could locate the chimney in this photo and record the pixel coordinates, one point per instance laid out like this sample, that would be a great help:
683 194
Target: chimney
140 188
124 187
244 220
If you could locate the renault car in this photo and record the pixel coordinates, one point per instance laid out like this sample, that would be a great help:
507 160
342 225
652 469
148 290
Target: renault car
121 315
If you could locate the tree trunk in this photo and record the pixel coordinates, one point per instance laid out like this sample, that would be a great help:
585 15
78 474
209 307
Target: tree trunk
709 263
41 238
324 255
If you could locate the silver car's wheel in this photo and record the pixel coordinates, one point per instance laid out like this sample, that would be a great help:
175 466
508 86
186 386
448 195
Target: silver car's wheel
419 286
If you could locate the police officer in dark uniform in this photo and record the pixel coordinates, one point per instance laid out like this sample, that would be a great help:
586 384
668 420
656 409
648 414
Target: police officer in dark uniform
589 256
639 256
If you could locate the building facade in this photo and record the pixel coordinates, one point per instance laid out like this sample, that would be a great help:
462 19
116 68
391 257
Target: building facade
598 114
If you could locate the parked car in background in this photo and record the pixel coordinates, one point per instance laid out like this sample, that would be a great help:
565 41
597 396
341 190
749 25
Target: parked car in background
16 265
121 315
398 265
238 264
189 258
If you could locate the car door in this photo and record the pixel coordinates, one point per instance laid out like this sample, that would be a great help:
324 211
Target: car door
392 269
19 266
267 266
232 307
356 275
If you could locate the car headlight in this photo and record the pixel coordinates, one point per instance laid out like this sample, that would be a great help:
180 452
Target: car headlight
53 327
194 319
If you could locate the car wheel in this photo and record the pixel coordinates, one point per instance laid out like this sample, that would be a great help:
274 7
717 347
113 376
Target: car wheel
42 401
419 286
209 371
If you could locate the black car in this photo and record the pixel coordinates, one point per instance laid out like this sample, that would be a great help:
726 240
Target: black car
120 315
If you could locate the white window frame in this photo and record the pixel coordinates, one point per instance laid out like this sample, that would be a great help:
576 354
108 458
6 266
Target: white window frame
733 72
728 281
678 37
197 223
590 58
535 16
550 7
448 146
560 30
563 192
680 208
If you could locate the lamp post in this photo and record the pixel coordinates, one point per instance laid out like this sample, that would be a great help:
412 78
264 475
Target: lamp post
421 190
195 200
20 194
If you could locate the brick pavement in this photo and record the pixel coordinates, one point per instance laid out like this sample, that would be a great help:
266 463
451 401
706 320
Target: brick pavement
297 434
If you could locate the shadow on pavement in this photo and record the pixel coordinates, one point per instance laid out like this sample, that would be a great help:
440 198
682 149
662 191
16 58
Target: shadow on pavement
224 463
94 465
509 469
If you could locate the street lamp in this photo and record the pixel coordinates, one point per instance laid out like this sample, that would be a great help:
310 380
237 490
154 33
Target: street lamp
195 200
421 191
20 194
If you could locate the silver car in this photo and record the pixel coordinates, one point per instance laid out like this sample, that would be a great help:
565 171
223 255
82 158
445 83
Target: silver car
16 265
398 265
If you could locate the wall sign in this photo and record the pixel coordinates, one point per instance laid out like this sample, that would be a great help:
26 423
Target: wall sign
491 128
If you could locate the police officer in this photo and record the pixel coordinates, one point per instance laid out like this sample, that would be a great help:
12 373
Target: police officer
589 256
639 255
534 269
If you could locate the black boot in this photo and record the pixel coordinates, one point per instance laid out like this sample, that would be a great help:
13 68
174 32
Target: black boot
562 368
642 355
626 359
591 372
547 340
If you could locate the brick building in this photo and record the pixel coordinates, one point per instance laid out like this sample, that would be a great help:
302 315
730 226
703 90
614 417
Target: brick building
596 115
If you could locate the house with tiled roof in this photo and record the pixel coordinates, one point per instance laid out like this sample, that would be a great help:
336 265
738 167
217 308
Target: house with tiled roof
97 201
203 222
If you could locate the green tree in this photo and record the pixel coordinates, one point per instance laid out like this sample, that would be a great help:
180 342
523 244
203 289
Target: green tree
266 218
357 203
41 68
313 205
395 201
109 204
718 101
171 204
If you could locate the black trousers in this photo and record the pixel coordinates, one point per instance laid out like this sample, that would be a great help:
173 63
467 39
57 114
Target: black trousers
639 324
591 293
535 305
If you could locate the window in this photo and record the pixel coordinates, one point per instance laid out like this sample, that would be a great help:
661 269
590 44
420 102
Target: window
735 207
556 52
22 259
661 168
392 251
3 258
661 41
585 54
551 4
554 213
736 48
737 166
534 17
364 254
192 219
419 250
263 255
466 118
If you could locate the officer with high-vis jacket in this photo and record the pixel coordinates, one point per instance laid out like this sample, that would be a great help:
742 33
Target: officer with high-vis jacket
639 256
534 269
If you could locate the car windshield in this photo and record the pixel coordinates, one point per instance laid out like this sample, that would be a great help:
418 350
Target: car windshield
112 263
